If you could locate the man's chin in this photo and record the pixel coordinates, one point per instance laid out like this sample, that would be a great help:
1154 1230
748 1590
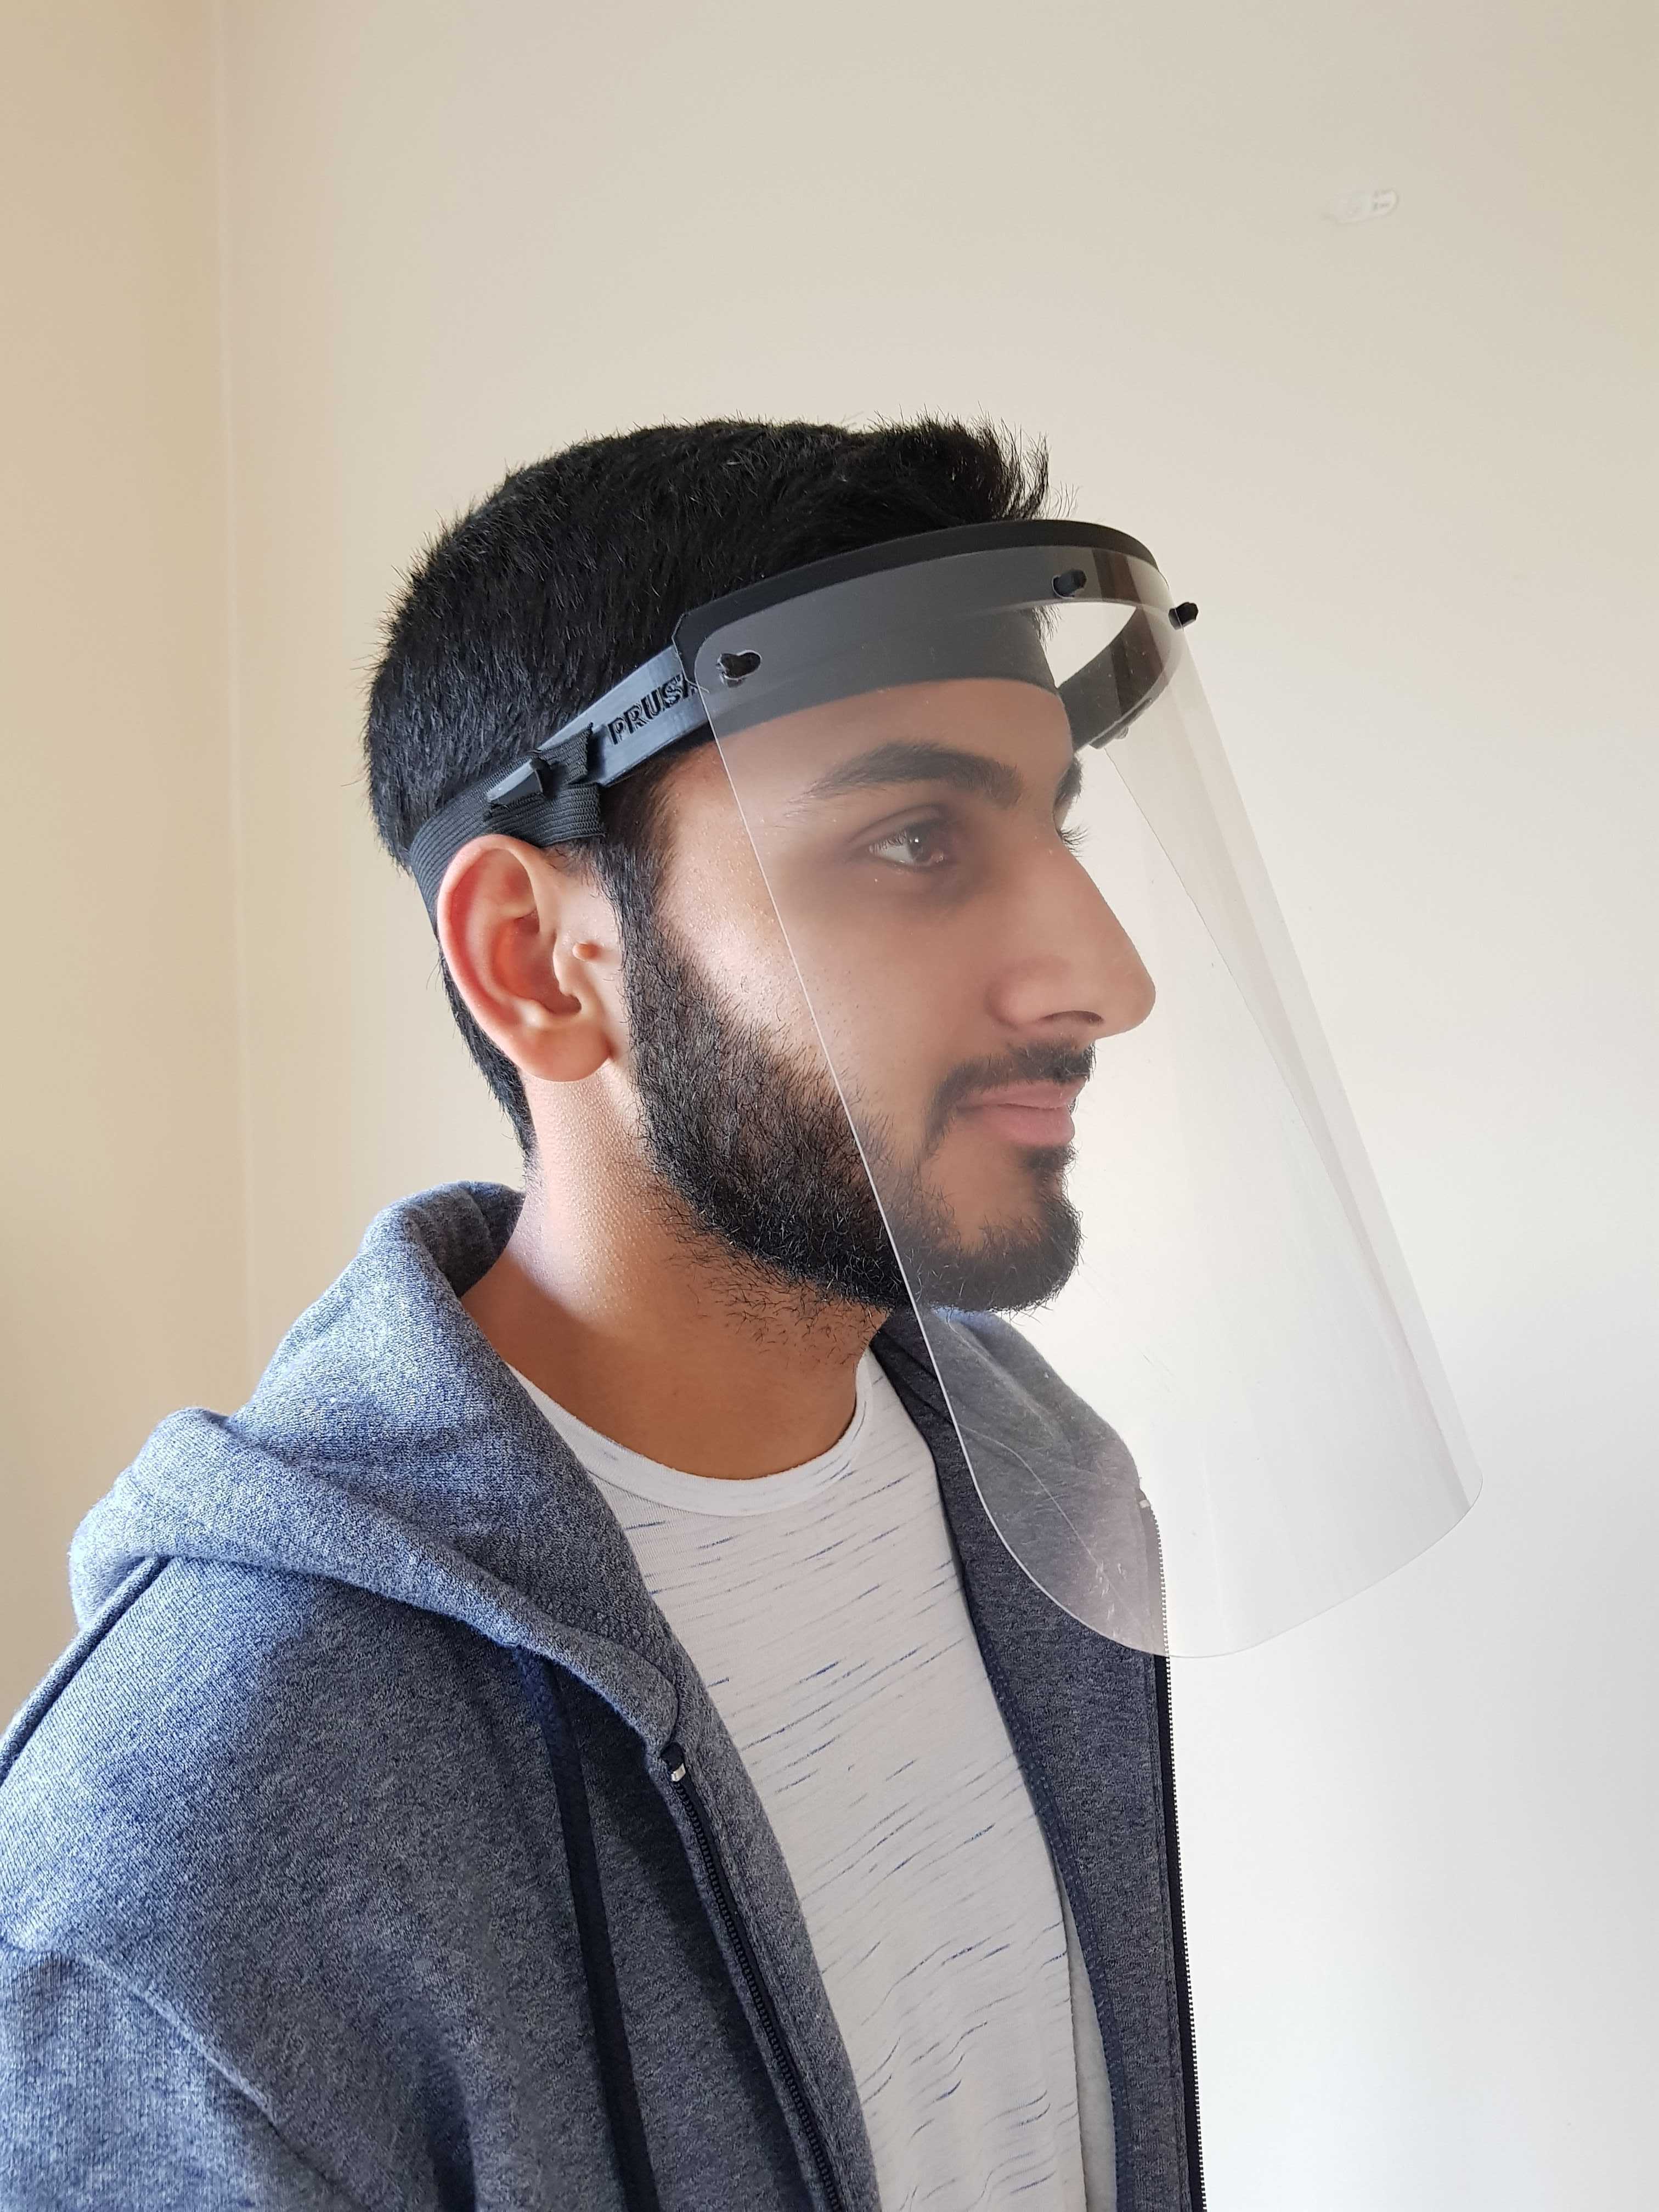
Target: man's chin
1006 1270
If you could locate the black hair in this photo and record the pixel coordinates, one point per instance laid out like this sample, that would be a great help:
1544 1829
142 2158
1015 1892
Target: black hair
577 567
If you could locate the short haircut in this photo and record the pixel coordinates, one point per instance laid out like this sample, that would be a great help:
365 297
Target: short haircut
577 567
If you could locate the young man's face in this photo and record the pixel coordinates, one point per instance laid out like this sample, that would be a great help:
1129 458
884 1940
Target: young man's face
960 967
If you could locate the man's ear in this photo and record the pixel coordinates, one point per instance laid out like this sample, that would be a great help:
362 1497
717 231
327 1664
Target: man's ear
530 940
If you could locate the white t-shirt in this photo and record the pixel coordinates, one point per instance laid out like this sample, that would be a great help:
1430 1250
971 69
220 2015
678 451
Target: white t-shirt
823 1608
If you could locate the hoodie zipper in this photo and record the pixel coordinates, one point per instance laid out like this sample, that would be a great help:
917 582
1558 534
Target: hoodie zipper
674 1760
1178 1918
1184 2024
678 1767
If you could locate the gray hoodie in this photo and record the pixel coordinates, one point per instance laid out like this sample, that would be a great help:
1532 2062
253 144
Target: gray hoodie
377 1845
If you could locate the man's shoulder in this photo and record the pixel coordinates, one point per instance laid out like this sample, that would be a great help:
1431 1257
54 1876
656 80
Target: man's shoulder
220 1735
253 1833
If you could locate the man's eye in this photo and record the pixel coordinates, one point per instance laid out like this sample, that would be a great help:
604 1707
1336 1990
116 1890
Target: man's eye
916 845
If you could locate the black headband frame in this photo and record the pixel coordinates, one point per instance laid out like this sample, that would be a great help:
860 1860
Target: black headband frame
552 796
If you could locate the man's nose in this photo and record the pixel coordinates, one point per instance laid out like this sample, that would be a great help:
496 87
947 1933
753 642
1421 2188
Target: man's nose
1072 969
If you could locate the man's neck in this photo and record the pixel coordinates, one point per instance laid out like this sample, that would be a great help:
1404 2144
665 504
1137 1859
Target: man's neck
661 1337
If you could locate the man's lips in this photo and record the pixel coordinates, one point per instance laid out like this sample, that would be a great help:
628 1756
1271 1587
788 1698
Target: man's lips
1029 1113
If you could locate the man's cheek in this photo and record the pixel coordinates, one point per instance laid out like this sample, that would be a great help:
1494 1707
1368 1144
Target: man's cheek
753 973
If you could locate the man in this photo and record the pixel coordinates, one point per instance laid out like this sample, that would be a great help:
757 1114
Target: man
577 1738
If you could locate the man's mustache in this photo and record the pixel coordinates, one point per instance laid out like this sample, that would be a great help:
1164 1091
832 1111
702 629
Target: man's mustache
1032 1063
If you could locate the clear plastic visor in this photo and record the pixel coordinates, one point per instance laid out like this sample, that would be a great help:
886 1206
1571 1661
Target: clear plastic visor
1039 966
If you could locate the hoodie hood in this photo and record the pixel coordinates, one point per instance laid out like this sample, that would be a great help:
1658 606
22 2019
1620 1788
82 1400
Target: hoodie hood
388 1447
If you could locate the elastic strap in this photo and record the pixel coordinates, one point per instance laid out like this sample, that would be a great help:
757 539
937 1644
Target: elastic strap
551 796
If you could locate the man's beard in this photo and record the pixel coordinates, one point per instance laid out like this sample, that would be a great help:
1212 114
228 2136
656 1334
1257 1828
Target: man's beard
761 1151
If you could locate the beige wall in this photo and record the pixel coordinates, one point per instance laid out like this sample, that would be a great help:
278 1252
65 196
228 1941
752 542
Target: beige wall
1405 466
121 1292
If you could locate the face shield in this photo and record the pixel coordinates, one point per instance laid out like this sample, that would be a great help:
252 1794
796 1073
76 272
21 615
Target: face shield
1051 987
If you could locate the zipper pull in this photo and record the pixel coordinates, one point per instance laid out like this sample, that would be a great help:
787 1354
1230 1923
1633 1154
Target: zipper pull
673 1758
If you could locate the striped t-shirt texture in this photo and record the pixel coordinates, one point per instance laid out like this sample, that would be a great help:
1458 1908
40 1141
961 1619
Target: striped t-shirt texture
823 1608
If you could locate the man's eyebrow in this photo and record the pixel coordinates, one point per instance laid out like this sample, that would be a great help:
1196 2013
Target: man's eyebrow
915 761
